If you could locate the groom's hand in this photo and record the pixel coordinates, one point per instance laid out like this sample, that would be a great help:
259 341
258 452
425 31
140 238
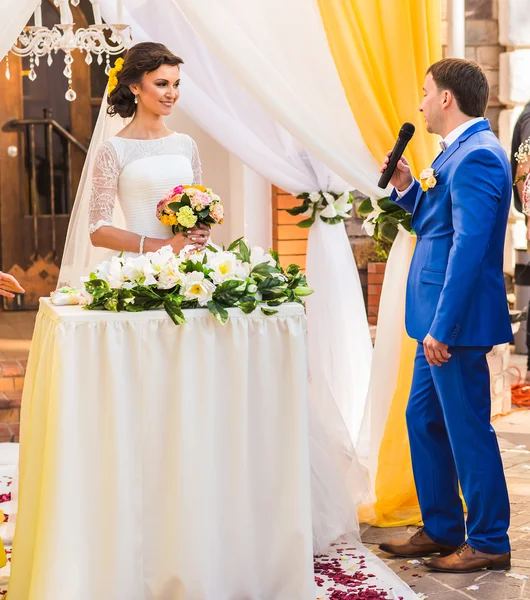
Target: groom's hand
402 176
436 353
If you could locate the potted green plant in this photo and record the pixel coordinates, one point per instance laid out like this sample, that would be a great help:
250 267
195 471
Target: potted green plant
382 219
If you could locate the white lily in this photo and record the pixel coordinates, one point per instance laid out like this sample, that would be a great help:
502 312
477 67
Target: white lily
369 227
225 266
170 276
343 206
111 272
161 257
330 212
140 270
196 287
258 256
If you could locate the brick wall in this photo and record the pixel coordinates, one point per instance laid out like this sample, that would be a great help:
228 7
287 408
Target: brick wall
288 240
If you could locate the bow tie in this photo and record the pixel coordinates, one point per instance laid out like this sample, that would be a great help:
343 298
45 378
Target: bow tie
443 146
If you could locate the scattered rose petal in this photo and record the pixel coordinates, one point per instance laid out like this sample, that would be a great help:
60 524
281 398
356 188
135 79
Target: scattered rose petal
516 576
472 587
414 562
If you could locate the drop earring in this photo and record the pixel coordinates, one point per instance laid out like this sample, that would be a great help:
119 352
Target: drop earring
135 99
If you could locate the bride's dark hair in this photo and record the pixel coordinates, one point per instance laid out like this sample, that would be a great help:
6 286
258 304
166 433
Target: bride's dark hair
139 60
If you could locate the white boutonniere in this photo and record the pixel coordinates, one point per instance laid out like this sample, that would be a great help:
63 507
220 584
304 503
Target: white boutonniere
427 179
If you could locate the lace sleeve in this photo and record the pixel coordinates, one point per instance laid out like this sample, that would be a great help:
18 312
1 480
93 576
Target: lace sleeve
196 164
104 187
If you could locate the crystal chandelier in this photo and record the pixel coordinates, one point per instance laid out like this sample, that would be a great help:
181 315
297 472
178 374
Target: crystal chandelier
97 40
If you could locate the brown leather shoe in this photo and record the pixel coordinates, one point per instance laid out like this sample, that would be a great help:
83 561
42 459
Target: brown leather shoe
419 544
467 560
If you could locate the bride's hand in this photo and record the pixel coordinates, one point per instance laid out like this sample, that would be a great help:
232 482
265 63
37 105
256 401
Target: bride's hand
197 237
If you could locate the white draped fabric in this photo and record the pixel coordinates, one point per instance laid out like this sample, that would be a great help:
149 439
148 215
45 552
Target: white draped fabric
14 16
279 53
208 437
223 108
388 343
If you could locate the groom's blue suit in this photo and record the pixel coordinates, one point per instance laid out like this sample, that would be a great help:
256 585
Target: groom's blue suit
456 293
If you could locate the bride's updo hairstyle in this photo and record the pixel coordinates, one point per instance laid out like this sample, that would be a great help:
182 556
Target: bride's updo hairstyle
139 60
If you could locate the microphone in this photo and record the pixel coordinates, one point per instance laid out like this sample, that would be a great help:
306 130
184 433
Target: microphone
405 134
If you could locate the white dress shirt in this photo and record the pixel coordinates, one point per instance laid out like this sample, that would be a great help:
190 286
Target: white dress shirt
449 139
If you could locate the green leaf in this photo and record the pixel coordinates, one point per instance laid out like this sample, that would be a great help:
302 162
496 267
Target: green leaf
185 200
306 223
204 213
248 304
271 289
175 206
388 230
303 196
244 250
211 248
365 207
229 292
293 270
268 312
333 221
386 204
275 255
234 245
218 311
111 303
263 270
303 290
172 304
298 210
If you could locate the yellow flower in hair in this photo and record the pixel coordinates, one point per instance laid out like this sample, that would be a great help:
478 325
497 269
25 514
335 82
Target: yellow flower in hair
113 75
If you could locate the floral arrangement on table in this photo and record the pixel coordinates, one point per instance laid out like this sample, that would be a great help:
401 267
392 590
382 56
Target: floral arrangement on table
522 156
214 278
332 208
188 206
382 219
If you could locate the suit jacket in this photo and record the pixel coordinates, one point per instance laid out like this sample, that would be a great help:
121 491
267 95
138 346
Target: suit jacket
455 288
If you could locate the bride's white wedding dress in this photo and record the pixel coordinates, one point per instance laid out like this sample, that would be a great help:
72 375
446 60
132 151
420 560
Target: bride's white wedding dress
139 173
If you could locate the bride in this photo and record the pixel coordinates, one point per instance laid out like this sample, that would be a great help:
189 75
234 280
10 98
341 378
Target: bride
131 165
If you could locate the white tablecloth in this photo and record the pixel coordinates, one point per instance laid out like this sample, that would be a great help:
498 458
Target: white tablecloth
164 463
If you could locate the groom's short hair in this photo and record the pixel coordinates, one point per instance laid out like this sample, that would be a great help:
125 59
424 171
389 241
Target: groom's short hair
467 82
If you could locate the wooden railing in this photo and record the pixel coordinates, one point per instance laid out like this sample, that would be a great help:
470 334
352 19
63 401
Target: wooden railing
28 127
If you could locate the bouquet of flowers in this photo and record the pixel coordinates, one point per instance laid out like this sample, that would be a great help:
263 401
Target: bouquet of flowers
331 207
382 220
187 206
214 278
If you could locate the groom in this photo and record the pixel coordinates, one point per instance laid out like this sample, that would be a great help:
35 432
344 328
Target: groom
457 310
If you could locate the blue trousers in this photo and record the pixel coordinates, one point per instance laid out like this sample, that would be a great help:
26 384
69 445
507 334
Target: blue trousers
452 441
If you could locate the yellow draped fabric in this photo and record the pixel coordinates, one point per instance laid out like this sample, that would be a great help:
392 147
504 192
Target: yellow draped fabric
3 557
382 49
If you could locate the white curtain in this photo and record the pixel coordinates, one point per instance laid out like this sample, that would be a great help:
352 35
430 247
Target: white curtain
14 16
279 53
387 352
223 108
